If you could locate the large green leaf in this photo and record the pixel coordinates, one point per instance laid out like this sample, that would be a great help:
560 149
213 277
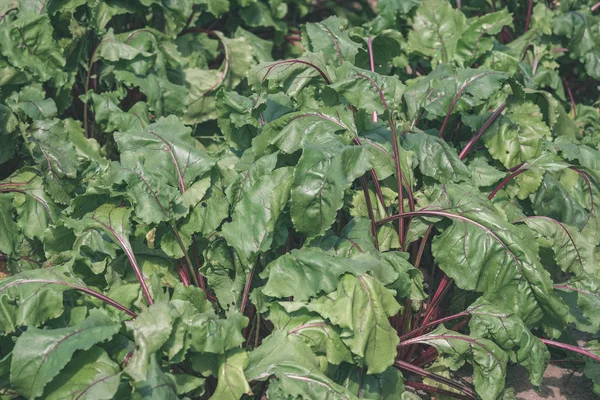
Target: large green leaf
290 362
435 158
326 169
320 335
30 298
481 251
89 375
361 306
318 271
28 43
40 354
253 222
436 30
165 151
512 335
329 38
517 137
232 383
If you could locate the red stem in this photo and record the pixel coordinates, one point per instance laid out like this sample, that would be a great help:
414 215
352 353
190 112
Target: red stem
432 324
575 349
247 287
469 146
529 8
433 389
365 187
595 7
505 182
446 381
83 289
573 107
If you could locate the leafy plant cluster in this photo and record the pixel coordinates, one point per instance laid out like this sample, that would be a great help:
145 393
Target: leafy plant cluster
259 199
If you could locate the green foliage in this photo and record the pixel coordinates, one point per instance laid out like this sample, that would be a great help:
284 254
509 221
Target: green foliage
214 199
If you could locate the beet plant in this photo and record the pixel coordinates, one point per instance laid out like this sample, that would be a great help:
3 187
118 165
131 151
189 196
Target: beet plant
204 199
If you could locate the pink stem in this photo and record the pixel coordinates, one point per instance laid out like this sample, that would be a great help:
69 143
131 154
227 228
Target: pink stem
446 381
505 182
529 8
481 131
575 349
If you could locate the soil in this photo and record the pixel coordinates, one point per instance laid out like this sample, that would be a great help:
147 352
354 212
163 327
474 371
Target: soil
558 384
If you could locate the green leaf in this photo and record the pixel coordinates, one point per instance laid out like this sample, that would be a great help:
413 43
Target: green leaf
253 222
291 75
39 355
325 170
31 102
318 271
488 360
512 335
27 43
582 294
361 306
517 137
328 37
30 298
151 329
89 375
435 158
388 385
165 151
232 383
35 209
9 231
368 90
436 30
290 362
321 336
474 41
484 253
156 384
290 132
573 252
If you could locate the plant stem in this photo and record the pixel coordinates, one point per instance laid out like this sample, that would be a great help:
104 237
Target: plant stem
595 7
83 289
575 349
433 389
247 287
528 18
506 181
365 187
446 381
432 324
469 146
372 64
573 107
